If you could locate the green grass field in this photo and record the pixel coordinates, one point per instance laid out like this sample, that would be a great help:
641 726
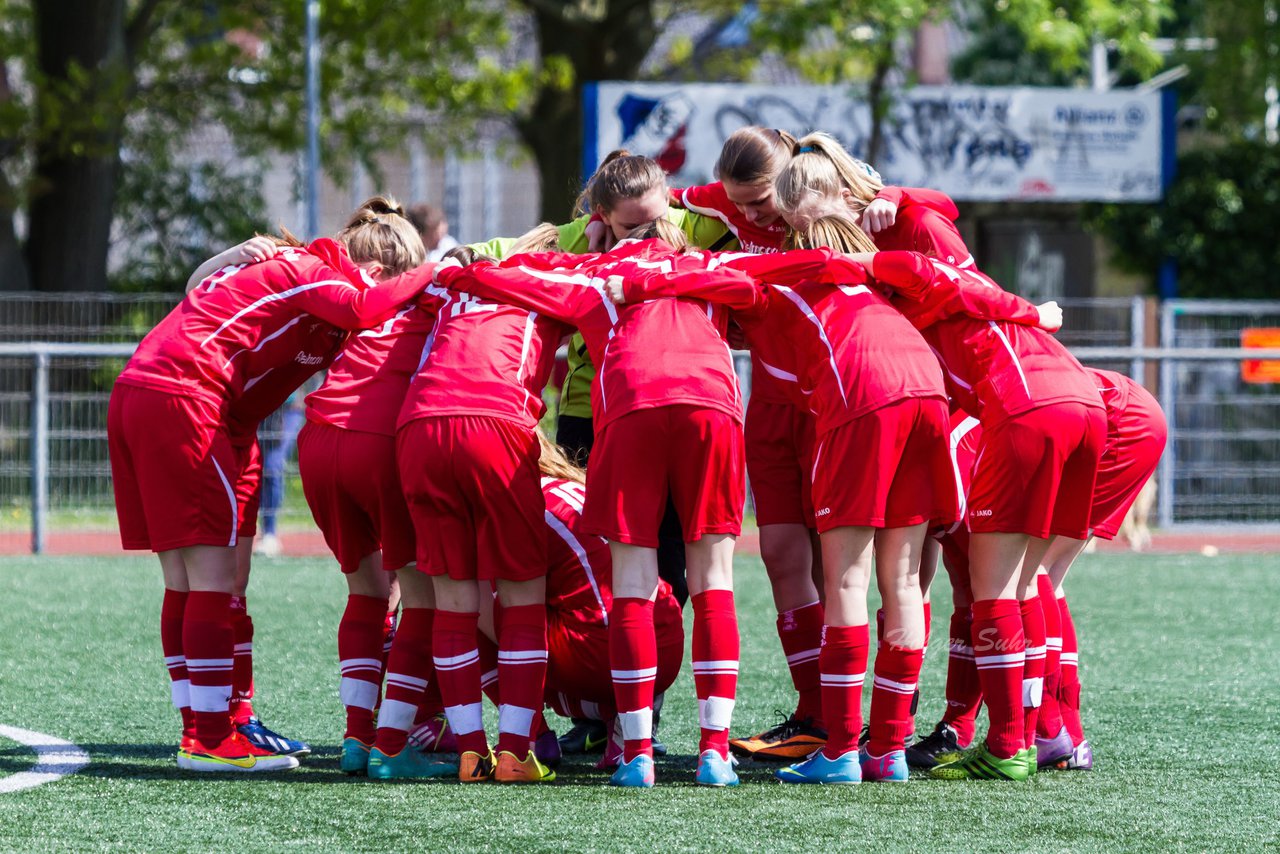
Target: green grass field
1180 662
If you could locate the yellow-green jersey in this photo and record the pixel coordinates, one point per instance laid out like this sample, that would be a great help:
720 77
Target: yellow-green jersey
702 231
497 247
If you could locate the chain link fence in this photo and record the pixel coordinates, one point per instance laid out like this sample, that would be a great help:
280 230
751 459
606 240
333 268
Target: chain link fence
59 357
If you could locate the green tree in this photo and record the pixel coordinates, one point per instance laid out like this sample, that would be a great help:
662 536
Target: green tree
1218 223
579 41
858 41
146 77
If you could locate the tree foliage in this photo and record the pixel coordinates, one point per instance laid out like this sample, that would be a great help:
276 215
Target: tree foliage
1218 222
112 89
1065 30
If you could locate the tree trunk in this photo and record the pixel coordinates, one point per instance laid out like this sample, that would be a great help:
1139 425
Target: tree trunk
878 97
13 267
82 57
606 46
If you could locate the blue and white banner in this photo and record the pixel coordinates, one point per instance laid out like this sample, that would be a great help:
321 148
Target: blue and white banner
973 143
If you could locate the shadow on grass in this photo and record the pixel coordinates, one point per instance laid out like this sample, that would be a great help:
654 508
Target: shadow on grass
156 762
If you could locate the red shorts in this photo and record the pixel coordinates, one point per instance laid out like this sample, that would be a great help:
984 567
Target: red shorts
248 487
890 468
352 486
475 496
578 657
173 471
691 453
779 448
1035 472
1135 441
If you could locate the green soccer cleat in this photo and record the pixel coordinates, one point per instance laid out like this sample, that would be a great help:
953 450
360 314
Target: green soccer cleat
409 763
1029 757
355 757
977 763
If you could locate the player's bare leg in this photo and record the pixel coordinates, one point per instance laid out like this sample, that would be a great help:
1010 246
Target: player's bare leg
846 559
898 554
715 653
633 658
788 553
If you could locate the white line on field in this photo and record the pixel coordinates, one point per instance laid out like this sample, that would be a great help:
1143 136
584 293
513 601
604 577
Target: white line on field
54 758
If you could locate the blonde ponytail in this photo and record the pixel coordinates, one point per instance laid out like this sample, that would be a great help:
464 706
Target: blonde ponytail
552 462
820 169
663 229
836 231
380 231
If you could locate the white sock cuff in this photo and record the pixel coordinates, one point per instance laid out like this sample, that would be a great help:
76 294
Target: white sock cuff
180 693
465 719
358 692
1032 693
516 720
397 714
210 698
637 724
715 712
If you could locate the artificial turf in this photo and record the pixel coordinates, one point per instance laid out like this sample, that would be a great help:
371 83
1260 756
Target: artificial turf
1180 663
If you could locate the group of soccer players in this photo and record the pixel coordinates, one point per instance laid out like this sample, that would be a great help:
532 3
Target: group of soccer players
902 405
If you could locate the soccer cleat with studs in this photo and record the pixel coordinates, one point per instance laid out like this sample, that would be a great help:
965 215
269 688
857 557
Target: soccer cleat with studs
259 736
513 769
935 748
234 754
844 770
794 738
409 764
355 757
636 774
978 763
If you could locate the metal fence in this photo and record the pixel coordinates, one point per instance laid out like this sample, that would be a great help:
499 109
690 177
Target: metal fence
1223 462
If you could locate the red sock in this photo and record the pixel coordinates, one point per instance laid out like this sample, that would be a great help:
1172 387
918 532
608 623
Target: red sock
897 673
843 663
360 661
1069 679
633 664
242 673
171 613
915 698
488 668
389 624
998 652
209 650
964 690
522 675
408 672
453 645
928 623
715 666
1049 724
800 631
1032 668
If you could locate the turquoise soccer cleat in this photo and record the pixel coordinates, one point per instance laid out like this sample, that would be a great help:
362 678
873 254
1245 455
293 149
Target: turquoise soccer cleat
890 768
636 774
409 763
715 770
844 770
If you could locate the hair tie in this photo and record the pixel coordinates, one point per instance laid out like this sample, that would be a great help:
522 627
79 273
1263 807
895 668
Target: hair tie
805 149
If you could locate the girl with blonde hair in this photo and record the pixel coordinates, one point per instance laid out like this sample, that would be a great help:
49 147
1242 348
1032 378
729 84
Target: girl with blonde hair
233 350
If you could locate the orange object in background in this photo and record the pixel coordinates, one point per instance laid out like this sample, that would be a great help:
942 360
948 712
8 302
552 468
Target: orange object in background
1260 370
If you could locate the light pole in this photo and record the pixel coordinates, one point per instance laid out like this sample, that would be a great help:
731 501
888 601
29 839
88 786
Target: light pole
312 191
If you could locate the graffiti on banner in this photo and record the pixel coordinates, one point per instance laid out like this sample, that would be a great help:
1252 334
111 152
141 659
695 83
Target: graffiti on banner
974 143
